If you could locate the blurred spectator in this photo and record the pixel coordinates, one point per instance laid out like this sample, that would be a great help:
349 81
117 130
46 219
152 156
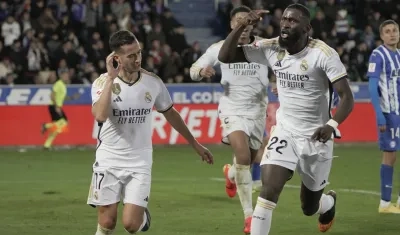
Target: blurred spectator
10 31
191 54
156 33
4 12
320 24
177 39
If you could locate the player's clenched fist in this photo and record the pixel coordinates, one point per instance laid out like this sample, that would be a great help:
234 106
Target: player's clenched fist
323 134
253 17
111 70
207 72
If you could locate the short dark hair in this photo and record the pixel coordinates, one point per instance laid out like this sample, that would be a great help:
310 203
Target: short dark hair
303 9
120 38
387 22
239 9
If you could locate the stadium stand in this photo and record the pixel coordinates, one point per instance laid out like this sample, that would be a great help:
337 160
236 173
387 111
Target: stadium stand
41 38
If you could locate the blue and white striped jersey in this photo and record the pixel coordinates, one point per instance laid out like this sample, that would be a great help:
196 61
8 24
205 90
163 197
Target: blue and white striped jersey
384 64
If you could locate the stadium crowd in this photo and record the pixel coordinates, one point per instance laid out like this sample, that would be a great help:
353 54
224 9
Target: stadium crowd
41 38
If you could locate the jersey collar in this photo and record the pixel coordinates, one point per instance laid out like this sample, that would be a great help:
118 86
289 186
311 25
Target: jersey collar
132 83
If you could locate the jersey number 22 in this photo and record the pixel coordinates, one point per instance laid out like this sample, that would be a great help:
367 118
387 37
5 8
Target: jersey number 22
277 146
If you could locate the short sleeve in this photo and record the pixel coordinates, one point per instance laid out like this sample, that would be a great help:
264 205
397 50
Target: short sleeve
333 66
256 52
163 100
375 65
261 50
97 88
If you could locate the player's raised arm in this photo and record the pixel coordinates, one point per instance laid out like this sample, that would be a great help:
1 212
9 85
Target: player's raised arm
101 91
164 105
230 52
203 67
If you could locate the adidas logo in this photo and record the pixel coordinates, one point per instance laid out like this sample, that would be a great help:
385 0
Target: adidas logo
118 99
146 199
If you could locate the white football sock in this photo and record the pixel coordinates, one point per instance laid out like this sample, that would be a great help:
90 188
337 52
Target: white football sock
232 173
232 170
325 203
103 231
262 217
244 188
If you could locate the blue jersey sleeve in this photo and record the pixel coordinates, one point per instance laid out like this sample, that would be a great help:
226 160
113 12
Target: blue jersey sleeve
373 91
375 66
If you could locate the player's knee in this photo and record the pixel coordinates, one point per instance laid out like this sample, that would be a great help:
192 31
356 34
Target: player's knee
132 226
243 157
270 193
309 209
107 222
107 216
389 158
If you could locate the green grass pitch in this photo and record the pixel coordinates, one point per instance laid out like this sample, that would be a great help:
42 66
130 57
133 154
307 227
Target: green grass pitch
46 192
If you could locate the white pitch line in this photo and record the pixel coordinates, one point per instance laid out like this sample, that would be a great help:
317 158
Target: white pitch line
358 191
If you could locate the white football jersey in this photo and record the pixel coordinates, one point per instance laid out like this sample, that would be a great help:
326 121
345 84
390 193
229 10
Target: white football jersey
304 82
125 138
245 84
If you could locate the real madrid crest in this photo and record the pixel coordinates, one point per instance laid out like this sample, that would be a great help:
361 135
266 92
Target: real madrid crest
280 55
304 65
147 97
116 88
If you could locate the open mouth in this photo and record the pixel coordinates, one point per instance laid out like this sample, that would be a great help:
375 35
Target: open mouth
284 34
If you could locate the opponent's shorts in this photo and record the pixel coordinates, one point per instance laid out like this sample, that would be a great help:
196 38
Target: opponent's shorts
390 139
312 159
54 115
254 129
111 185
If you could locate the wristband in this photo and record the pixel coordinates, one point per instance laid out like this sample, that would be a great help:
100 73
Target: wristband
332 123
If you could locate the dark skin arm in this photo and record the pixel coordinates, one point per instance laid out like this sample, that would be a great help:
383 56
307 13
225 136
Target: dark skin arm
346 100
230 52
344 109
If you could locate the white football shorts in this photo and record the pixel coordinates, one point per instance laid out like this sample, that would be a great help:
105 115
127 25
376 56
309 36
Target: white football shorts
111 185
312 159
254 129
